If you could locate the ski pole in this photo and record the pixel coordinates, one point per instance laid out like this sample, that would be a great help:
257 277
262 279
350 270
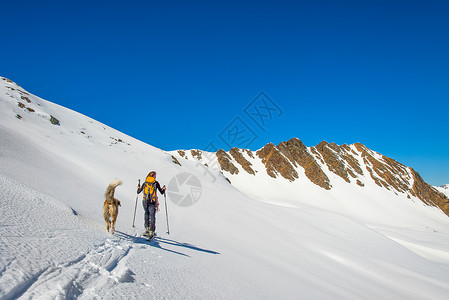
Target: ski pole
135 207
166 211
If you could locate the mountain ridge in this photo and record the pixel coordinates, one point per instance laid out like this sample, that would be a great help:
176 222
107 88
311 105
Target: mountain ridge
345 161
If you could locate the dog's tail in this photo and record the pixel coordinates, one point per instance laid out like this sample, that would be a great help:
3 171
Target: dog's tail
111 189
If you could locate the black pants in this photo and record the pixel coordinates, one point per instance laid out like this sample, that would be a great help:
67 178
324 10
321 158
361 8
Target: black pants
150 215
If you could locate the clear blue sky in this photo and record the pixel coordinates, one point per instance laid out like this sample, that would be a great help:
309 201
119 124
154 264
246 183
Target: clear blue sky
179 74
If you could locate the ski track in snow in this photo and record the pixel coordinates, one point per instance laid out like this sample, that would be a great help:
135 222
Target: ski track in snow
82 277
61 274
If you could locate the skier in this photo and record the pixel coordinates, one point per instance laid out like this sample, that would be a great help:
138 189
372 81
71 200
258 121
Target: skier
150 202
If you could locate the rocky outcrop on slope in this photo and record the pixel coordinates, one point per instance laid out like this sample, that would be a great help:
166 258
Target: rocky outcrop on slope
385 172
14 91
196 154
182 153
298 155
276 163
225 162
428 194
175 160
339 160
239 158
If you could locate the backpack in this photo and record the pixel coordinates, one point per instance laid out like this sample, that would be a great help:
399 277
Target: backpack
149 191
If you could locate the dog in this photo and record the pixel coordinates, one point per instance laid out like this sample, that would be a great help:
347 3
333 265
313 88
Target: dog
110 206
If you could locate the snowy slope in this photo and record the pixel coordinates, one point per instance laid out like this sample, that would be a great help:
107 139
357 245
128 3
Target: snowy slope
443 189
267 239
371 202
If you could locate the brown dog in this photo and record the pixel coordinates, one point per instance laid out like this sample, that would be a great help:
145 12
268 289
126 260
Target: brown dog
110 206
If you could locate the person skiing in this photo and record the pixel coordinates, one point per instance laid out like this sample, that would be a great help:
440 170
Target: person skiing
150 201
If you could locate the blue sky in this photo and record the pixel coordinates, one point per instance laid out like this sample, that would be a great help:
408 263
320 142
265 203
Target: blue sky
184 74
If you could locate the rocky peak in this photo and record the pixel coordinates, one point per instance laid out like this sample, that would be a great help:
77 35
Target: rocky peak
276 163
297 153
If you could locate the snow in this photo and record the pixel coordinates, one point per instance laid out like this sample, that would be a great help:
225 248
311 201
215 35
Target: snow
443 189
258 237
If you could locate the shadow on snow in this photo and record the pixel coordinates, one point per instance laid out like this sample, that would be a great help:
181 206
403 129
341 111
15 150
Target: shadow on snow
157 242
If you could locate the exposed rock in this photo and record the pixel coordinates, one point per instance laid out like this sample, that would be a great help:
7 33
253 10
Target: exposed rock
238 157
18 116
360 183
175 160
297 153
249 152
333 159
428 194
338 160
387 173
196 154
317 155
225 162
350 172
20 104
182 153
25 98
115 140
348 155
23 93
276 163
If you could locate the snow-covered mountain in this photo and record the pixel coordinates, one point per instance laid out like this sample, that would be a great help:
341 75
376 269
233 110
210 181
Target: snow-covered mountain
345 169
286 221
